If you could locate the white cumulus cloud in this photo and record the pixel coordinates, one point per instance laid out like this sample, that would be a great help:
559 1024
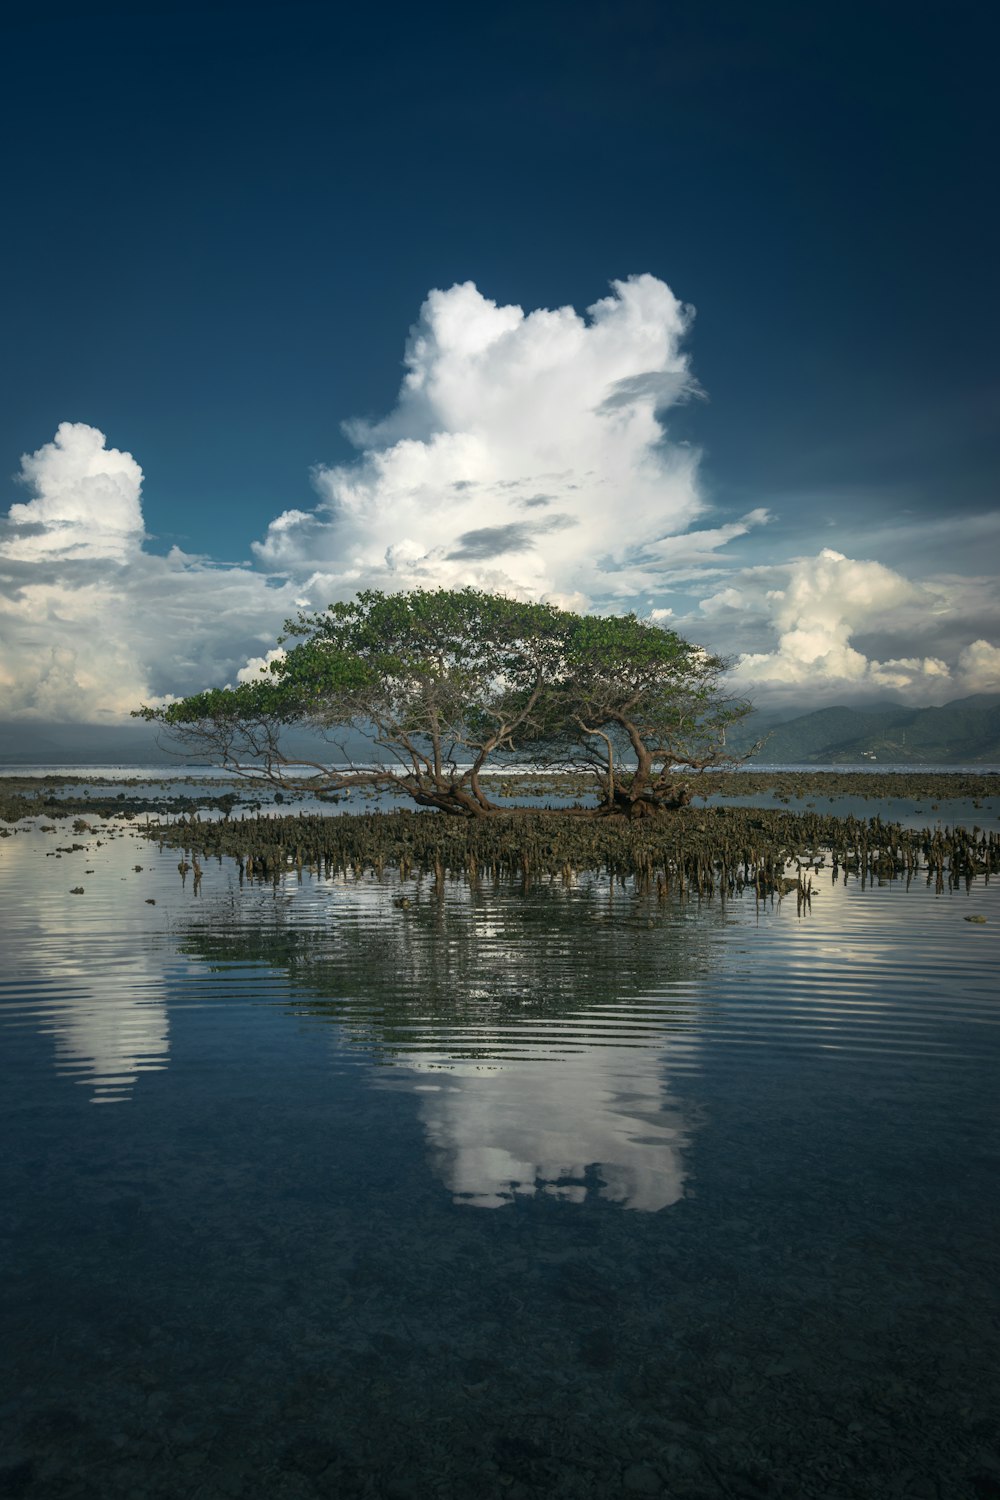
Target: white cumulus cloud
257 664
85 502
92 623
526 452
979 667
806 617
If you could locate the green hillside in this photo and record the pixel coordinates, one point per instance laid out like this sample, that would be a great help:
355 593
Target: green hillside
964 732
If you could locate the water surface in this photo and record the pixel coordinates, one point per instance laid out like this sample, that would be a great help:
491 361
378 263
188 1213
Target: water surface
338 1187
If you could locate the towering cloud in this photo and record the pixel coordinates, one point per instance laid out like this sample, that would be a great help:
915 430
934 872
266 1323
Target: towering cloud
92 624
85 503
526 452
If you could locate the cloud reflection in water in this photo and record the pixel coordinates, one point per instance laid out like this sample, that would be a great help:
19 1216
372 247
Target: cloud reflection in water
537 1029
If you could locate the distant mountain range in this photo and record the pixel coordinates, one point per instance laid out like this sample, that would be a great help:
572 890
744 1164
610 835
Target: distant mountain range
965 732
28 742
32 742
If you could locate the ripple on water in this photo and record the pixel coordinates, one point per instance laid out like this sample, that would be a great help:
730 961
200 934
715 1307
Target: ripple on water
568 1191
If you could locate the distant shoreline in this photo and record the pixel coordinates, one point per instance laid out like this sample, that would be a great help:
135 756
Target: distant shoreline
62 773
65 794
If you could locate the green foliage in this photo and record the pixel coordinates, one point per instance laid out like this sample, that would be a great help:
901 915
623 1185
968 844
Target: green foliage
459 666
247 702
442 680
636 702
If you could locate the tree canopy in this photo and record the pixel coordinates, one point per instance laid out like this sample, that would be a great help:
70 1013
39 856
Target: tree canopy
441 681
634 704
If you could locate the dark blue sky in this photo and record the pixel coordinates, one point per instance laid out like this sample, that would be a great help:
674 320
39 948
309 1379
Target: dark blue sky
222 219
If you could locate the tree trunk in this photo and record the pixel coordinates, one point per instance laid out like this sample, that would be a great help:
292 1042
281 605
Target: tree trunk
634 802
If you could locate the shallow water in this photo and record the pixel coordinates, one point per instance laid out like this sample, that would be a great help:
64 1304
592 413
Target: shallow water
346 1188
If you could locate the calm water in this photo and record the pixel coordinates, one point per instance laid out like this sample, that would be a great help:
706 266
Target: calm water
160 782
360 1189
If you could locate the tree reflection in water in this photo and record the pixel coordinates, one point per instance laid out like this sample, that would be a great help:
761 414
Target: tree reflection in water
539 1028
